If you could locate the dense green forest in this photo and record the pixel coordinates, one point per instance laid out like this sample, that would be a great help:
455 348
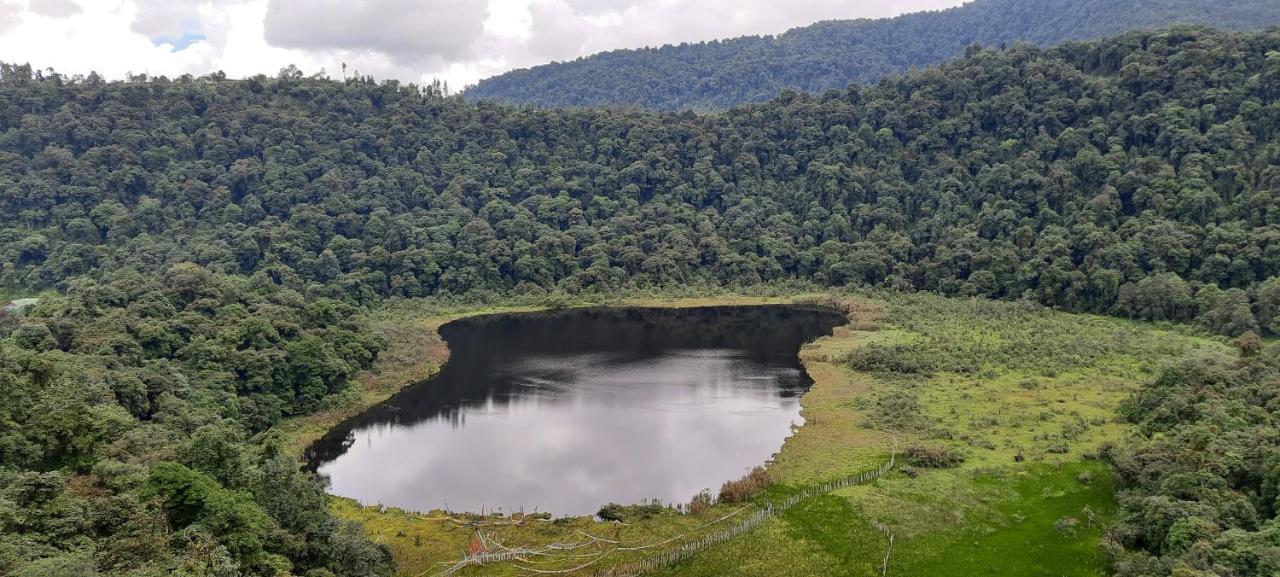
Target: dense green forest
723 73
1200 485
135 412
1137 176
209 239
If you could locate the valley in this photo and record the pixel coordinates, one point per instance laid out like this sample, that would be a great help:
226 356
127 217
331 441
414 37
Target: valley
1027 396
1003 309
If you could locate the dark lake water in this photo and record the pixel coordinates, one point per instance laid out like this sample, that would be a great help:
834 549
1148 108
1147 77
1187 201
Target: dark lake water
566 411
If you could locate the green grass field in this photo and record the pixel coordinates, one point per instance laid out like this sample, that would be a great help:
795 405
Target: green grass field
1026 395
1028 522
1041 520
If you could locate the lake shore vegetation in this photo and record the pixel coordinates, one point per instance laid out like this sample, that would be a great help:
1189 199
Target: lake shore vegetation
1028 396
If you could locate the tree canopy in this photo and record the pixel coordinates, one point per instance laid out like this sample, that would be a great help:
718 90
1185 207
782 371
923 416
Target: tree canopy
136 413
210 240
833 54
1135 176
1199 482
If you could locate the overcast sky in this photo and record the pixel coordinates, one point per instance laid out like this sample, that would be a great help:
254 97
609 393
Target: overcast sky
459 41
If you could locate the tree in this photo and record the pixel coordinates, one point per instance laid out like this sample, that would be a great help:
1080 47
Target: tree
233 518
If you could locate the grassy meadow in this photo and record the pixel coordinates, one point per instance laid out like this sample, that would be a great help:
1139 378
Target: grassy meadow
1018 399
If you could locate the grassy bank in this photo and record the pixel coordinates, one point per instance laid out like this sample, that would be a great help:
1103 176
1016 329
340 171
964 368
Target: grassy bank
1025 395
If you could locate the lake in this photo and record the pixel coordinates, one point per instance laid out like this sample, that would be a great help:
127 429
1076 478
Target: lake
566 411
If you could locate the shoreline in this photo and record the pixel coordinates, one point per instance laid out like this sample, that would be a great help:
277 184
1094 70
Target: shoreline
416 352
839 438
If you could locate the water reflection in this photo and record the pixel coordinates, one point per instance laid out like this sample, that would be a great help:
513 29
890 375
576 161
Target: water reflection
566 411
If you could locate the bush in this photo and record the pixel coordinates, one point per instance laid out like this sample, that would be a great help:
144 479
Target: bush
623 513
983 444
700 502
610 512
1067 527
933 457
746 488
1249 344
899 359
645 510
894 409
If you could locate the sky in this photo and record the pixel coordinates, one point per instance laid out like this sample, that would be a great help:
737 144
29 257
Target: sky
456 41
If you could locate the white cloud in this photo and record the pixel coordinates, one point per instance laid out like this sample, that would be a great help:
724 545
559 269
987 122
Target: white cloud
594 7
55 8
460 41
96 38
406 31
557 32
10 15
168 18
635 23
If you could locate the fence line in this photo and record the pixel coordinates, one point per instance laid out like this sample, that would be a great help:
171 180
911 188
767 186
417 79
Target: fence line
884 565
691 548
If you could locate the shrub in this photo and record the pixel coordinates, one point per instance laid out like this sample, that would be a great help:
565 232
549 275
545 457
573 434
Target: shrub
610 512
900 359
894 409
1067 526
933 457
700 502
746 488
1073 429
622 513
1249 344
646 510
983 444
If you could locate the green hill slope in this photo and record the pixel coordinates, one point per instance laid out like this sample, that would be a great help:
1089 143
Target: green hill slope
719 74
212 241
1134 175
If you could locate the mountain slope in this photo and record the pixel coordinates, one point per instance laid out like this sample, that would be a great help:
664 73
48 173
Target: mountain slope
212 238
1080 176
834 54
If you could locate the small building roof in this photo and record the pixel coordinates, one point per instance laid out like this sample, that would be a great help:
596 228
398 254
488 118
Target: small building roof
21 303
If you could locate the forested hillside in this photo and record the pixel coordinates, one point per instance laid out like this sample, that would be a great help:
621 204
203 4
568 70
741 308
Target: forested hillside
1135 176
135 411
210 238
723 73
1200 479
